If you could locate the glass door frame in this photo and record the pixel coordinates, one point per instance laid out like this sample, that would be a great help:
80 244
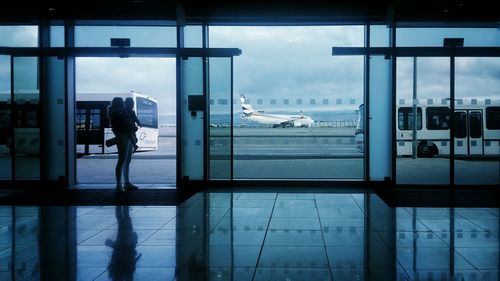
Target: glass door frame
393 52
70 53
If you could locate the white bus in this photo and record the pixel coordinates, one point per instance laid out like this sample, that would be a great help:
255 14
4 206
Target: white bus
92 123
477 127
21 132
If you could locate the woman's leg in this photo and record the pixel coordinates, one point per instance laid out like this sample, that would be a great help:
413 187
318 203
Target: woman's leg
121 145
128 158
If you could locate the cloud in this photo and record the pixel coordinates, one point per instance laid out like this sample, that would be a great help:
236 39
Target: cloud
293 62
278 63
19 36
475 77
151 76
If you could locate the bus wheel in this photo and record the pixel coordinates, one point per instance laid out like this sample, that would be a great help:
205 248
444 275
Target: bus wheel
424 150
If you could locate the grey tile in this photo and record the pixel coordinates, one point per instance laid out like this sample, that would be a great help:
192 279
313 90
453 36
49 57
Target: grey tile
252 212
298 274
293 257
295 213
480 258
161 238
155 256
299 204
295 223
294 238
85 273
138 273
295 196
241 238
235 256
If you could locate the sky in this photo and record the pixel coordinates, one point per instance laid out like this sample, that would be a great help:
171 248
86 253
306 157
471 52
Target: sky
279 63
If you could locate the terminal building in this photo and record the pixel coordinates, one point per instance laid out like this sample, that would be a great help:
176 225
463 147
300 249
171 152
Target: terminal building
276 140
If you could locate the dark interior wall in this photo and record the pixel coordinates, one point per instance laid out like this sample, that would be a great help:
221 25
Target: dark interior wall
257 10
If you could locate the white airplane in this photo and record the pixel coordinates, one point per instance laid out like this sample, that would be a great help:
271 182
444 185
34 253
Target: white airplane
276 120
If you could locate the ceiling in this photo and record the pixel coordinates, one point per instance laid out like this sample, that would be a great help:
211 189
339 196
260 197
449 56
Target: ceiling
255 11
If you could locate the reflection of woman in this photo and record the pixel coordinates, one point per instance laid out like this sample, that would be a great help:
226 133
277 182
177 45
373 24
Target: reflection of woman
124 143
124 256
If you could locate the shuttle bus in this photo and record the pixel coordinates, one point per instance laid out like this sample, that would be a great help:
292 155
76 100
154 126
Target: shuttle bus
21 131
93 127
477 127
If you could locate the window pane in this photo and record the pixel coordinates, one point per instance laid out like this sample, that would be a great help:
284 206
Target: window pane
57 36
19 36
27 117
475 124
423 158
434 37
288 125
140 36
460 124
438 118
147 113
493 118
477 98
406 118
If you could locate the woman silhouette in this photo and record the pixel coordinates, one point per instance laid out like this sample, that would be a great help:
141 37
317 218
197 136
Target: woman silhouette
121 129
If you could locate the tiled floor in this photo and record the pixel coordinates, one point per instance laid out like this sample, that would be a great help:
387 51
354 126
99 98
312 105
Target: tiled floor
250 236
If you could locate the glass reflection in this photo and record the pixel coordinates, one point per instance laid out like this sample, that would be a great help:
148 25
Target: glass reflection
477 121
251 236
124 257
27 116
295 112
140 36
6 131
423 98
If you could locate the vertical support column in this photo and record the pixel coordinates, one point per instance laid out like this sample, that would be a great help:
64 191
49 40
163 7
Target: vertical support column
380 104
366 122
206 115
415 113
178 82
452 119
52 101
69 41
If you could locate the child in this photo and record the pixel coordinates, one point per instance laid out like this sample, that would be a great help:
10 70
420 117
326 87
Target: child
132 120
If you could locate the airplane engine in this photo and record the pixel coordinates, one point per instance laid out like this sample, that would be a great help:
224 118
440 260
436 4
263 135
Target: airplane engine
297 124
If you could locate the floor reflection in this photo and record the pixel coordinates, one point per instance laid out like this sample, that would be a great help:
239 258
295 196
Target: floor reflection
250 236
124 257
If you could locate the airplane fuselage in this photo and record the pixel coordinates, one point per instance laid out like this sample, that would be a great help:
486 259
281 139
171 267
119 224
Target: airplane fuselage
276 120
279 119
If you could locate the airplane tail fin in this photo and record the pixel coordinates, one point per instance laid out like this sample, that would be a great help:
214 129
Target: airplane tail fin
247 108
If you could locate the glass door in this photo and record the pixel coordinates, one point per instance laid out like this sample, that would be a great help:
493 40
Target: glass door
5 119
192 114
468 132
220 121
26 118
422 116
206 118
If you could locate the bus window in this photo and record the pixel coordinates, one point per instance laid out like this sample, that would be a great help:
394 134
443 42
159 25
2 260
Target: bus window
460 125
475 124
27 116
80 119
147 112
95 119
405 118
438 118
493 118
